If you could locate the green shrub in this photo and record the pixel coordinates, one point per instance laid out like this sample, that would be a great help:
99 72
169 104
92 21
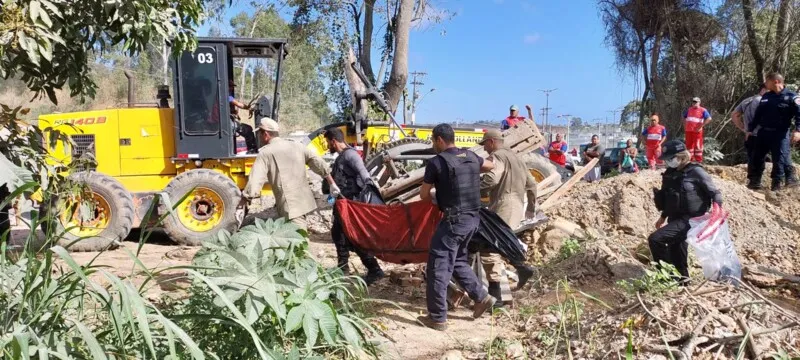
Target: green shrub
281 299
660 280
568 248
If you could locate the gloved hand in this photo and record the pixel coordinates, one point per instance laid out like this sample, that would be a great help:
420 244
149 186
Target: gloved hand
335 191
433 196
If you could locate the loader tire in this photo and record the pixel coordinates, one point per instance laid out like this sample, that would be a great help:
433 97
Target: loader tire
209 207
540 167
111 215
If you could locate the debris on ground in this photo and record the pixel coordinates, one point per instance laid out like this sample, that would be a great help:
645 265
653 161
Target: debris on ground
765 230
703 322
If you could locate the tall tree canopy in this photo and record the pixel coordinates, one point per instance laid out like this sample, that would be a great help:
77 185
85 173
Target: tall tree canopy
718 51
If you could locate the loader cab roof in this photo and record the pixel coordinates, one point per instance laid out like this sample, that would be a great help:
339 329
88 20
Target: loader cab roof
251 47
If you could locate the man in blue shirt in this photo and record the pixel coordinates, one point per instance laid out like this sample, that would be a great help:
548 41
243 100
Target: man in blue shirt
244 130
455 174
773 122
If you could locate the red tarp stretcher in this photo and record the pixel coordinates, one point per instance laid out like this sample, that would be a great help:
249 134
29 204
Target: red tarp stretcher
397 233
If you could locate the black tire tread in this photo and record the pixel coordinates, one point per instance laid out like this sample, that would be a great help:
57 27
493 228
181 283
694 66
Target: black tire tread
184 182
122 213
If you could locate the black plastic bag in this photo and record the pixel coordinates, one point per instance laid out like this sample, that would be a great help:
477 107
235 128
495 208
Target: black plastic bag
370 195
495 236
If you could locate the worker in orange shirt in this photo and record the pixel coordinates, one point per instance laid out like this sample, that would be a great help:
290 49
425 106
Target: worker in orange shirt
694 119
558 151
655 136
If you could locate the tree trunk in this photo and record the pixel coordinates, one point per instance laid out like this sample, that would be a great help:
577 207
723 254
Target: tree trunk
782 37
357 88
399 75
647 84
243 75
752 41
366 42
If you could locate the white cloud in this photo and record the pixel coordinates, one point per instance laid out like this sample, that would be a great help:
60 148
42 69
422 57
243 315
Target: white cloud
531 39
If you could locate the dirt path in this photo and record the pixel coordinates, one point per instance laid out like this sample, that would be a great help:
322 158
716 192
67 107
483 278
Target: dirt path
393 308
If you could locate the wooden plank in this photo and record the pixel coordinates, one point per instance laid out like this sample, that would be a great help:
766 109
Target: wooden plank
545 192
569 184
546 182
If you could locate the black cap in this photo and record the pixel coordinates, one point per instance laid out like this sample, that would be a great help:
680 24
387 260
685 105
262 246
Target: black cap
671 148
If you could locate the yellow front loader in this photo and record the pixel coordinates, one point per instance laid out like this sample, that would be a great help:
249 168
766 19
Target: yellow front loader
188 151
145 149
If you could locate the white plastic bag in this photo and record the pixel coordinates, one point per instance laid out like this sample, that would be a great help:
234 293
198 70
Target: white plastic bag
711 240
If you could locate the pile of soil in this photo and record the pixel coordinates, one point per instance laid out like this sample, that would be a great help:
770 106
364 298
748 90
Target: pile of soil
765 228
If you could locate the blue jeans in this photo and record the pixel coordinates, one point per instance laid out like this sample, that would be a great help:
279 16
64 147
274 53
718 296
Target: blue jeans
447 259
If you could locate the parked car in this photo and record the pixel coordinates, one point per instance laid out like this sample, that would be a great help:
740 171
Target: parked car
611 160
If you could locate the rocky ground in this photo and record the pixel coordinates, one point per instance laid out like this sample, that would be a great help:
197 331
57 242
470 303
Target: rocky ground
576 308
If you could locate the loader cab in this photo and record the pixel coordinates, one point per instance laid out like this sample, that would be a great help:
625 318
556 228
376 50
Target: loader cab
203 124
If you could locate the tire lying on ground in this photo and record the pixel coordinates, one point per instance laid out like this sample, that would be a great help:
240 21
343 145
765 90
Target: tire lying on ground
540 167
107 219
209 207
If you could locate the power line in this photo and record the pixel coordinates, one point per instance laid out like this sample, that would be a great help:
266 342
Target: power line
414 93
547 104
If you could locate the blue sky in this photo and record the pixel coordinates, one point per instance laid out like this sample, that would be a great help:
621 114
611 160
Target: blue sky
495 53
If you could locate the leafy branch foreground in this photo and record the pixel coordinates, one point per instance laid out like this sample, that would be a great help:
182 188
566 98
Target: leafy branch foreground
255 294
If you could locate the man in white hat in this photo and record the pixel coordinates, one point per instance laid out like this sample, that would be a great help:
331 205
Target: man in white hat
513 117
282 164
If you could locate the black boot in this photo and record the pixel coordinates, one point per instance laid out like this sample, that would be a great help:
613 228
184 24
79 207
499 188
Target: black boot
495 292
792 182
524 273
344 266
374 272
373 276
776 185
754 185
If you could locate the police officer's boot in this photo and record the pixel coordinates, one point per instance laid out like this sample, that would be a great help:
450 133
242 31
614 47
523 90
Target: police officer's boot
524 273
792 182
754 185
496 292
776 185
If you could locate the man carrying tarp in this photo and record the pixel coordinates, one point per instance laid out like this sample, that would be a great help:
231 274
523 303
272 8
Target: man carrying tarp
456 175
507 185
350 174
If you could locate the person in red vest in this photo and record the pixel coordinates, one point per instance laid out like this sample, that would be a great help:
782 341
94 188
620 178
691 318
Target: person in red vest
694 119
655 136
513 118
558 151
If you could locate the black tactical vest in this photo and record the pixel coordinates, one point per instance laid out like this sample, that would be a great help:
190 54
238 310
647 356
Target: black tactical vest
682 194
346 178
464 183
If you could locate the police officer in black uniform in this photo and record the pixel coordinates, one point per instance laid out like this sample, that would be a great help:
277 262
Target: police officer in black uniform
686 192
351 176
773 121
455 173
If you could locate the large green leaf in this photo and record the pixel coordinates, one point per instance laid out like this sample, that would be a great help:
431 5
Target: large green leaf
295 318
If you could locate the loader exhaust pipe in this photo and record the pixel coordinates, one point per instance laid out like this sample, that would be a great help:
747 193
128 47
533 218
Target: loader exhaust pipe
131 83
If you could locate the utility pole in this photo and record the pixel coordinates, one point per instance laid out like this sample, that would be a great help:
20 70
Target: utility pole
547 104
566 116
415 94
544 125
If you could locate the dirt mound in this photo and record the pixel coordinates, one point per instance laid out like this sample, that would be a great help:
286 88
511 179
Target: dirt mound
765 229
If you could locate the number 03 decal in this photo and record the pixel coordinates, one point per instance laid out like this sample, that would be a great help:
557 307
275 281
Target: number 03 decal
205 58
